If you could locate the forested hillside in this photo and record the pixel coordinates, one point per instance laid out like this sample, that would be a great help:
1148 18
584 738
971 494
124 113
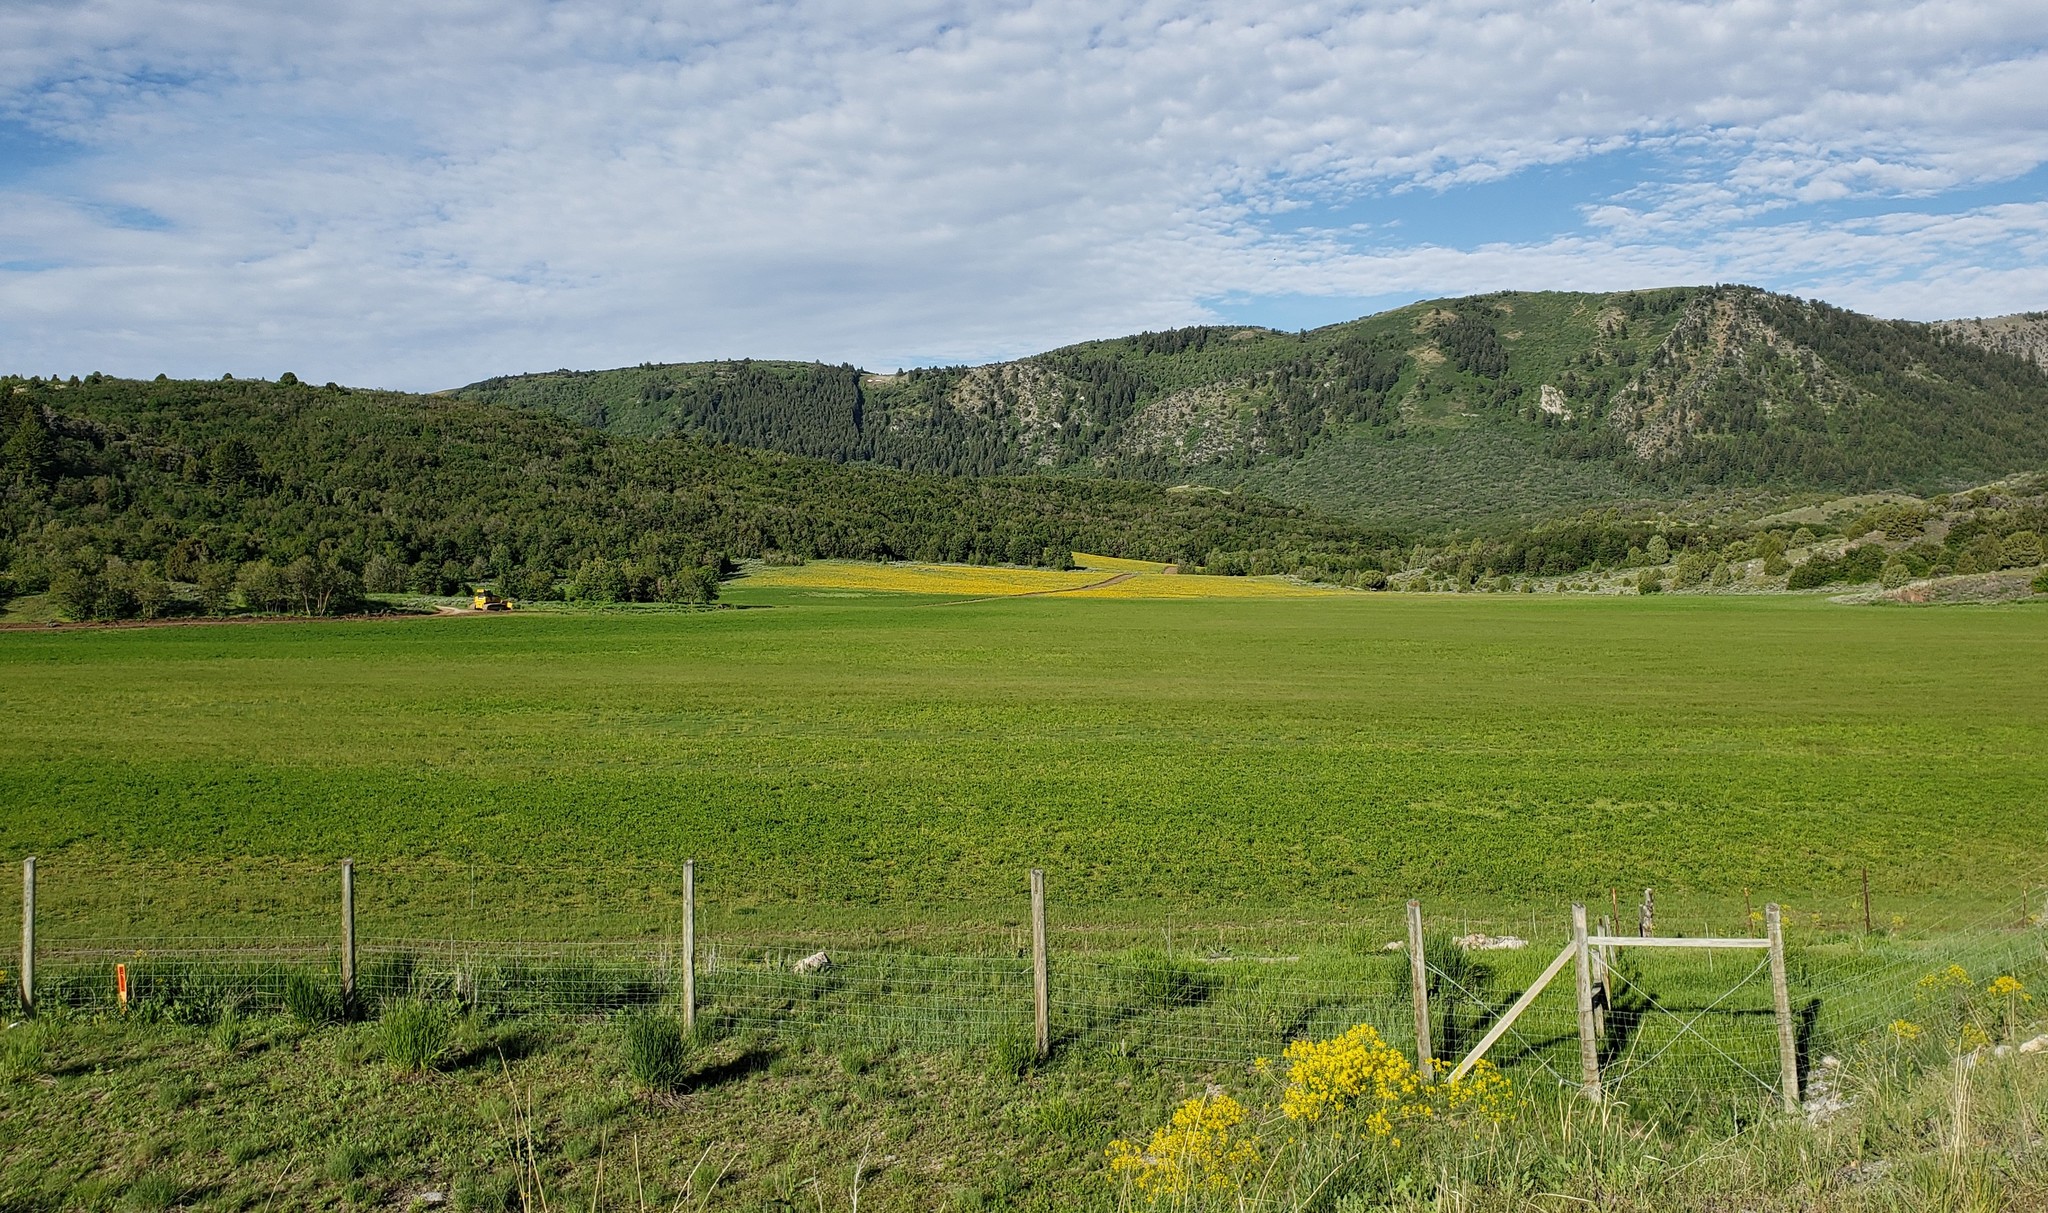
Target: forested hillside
123 497
1574 399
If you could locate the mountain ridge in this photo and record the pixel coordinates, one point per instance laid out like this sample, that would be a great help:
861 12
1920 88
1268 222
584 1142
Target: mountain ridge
1596 398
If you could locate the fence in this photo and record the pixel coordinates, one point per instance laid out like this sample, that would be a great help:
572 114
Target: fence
1673 1026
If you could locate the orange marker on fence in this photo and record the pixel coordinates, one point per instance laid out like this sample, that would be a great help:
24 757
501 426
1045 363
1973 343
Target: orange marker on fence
121 984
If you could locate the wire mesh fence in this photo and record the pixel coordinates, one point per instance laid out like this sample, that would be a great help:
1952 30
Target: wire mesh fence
1676 1029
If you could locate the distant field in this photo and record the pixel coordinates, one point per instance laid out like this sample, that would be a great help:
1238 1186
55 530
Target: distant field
891 760
1097 577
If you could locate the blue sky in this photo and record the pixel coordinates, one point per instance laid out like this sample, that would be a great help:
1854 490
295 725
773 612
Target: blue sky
421 195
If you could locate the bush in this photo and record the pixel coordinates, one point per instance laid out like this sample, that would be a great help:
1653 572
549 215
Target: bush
2041 582
415 1035
1651 582
657 1054
311 1000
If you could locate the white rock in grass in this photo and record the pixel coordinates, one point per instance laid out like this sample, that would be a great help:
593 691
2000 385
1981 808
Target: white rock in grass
1478 942
816 962
2035 1045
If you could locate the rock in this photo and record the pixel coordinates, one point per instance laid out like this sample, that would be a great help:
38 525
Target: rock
816 962
430 1198
1477 942
1867 1172
1392 945
1823 1101
2035 1045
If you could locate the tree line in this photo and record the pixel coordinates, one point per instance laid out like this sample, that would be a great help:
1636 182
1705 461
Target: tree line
128 498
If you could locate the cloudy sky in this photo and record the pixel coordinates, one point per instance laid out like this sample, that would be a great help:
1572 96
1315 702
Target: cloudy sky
418 195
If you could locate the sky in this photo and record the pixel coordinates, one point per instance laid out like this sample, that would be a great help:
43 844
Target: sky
417 196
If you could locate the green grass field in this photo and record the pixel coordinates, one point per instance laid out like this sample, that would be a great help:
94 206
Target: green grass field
890 757
1231 797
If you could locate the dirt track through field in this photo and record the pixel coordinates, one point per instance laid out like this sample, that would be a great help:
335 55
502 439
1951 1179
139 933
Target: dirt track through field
1070 589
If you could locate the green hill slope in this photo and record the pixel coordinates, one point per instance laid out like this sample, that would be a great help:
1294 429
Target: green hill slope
118 487
1510 405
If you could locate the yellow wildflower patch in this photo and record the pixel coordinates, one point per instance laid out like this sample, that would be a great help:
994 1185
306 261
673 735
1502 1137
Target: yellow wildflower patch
2007 986
1199 1149
1944 981
1905 1030
1118 564
1356 1073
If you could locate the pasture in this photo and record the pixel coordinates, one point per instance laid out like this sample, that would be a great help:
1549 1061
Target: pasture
899 759
1232 796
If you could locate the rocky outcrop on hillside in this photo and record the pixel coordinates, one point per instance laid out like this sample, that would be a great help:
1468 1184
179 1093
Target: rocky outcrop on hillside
2024 335
1724 367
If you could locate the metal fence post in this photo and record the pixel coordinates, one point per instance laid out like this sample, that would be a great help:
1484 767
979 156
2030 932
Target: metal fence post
1418 979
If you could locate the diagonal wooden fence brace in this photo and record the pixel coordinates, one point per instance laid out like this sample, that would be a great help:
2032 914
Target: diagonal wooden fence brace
1500 1026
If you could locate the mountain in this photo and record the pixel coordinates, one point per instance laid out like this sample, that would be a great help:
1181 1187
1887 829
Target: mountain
1508 406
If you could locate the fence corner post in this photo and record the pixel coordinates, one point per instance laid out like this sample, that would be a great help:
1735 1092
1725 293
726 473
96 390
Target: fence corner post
1418 977
1781 1004
28 935
689 945
1589 1045
1041 992
348 934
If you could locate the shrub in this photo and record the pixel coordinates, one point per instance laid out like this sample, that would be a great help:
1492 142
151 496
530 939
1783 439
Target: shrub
2041 582
1651 582
311 1000
415 1035
657 1054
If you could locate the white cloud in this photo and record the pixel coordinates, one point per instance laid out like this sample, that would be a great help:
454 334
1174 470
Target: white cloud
420 195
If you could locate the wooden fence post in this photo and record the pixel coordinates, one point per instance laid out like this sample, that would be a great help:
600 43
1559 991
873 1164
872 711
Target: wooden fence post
1781 1003
28 935
1589 1046
1418 977
1647 926
689 945
348 934
1603 998
1041 991
1866 901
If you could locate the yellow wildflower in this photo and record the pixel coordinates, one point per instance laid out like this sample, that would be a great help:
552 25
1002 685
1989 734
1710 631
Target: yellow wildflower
2007 986
1355 1073
1953 978
1904 1029
1484 1091
1198 1149
1971 1038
